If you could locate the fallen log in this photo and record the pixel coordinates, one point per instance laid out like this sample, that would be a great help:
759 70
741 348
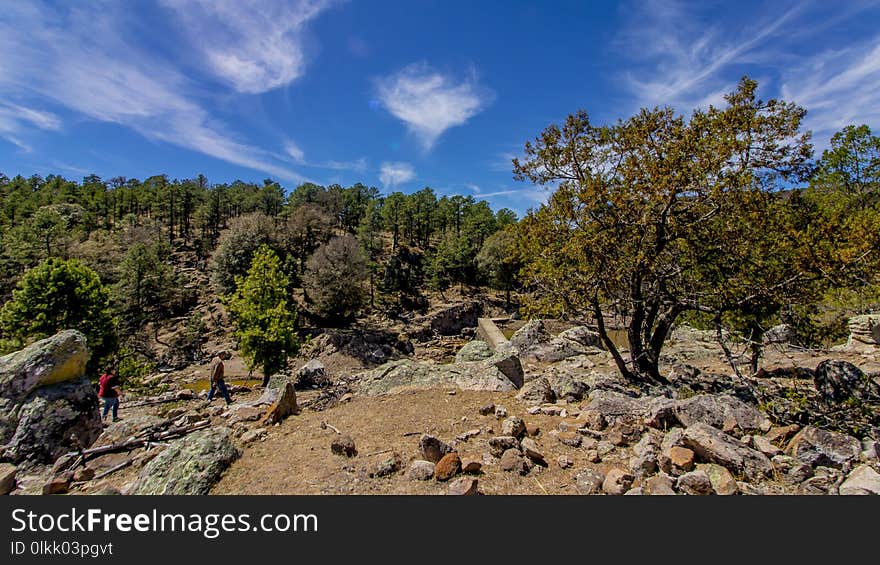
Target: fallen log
113 469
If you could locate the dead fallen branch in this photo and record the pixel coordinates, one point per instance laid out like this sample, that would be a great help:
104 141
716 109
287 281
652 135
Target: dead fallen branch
113 469
325 425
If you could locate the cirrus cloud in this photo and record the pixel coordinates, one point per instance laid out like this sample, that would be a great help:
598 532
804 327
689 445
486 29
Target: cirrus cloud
392 174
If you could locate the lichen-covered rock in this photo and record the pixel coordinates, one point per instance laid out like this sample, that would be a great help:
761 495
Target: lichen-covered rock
474 351
825 448
189 465
498 373
837 380
45 400
614 406
568 388
537 391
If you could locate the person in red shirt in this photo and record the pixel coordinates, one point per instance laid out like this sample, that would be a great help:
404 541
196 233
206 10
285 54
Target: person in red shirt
109 392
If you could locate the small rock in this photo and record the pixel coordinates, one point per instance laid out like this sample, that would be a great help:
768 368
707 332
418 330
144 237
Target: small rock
7 478
571 439
764 445
513 462
343 445
617 481
637 491
513 426
388 466
592 455
537 390
463 486
659 485
487 409
471 467
468 434
83 474
604 448
592 419
532 430
530 448
433 449
589 481
681 458
420 470
251 436
799 472
863 480
564 462
499 444
821 447
722 480
448 466
500 412
57 485
695 483
780 435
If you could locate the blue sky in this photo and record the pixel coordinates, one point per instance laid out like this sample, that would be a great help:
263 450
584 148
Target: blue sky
398 95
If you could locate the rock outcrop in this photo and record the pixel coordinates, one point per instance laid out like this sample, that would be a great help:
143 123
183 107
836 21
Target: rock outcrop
498 373
189 465
864 332
533 342
47 405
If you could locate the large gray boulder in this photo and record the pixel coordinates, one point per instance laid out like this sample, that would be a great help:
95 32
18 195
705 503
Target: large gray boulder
47 405
824 448
615 406
498 373
474 351
837 381
863 480
189 465
534 342
711 445
717 409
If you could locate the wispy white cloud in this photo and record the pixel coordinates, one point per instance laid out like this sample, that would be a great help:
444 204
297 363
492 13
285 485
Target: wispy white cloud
295 153
393 174
254 45
475 188
15 119
429 102
80 58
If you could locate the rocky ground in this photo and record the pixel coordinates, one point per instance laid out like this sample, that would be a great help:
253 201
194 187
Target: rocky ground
428 409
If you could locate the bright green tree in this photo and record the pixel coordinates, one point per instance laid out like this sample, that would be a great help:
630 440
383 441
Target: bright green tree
58 295
500 261
263 316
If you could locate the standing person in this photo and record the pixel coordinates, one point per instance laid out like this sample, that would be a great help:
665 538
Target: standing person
109 392
216 371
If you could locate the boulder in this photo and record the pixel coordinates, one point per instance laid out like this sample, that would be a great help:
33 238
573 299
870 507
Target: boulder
463 486
189 465
420 470
47 406
537 391
837 381
7 478
617 481
715 410
513 426
695 483
283 406
864 331
474 351
534 342
583 336
344 445
500 444
313 375
498 373
722 480
614 405
512 461
589 481
863 480
450 320
433 449
448 466
818 447
532 451
659 485
568 388
711 445
779 334
388 465
128 427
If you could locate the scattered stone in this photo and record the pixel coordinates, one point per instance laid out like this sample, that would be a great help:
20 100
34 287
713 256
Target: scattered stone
661 413
799 472
448 466
471 467
764 445
614 405
83 474
564 462
568 388
592 419
463 486
589 481
433 449
500 412
723 482
659 485
420 470
604 448
637 491
592 455
624 432
531 450
243 413
532 430
695 483
487 409
312 375
7 478
779 435
571 439
821 447
500 444
343 444
681 458
188 465
617 481
711 445
863 480
513 462
537 390
468 434
388 466
57 485
251 436
513 426
720 411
